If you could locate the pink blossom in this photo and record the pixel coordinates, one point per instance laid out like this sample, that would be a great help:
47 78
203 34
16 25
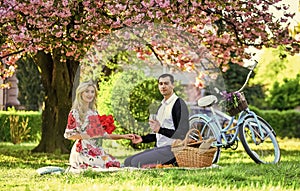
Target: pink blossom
58 34
43 25
65 3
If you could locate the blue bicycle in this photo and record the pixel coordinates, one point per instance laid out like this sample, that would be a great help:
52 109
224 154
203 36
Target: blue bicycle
257 136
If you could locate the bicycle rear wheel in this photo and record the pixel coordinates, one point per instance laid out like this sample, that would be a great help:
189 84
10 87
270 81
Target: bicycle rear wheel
206 131
260 150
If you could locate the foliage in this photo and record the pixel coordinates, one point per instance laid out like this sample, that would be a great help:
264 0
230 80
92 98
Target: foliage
144 95
19 131
25 120
31 92
225 27
285 96
275 65
237 172
128 97
277 119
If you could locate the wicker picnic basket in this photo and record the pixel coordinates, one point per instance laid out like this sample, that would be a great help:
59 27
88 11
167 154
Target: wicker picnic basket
198 154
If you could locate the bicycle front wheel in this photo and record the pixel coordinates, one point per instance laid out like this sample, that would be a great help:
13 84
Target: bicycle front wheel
262 149
207 131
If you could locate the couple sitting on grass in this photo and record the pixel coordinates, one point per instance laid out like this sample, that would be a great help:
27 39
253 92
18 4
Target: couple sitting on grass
85 127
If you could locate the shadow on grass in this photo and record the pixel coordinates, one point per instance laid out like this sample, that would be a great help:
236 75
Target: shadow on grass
21 156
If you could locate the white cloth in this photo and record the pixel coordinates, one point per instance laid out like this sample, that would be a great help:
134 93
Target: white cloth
164 116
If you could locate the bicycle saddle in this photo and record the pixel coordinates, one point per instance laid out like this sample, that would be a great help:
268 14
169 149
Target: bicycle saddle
207 101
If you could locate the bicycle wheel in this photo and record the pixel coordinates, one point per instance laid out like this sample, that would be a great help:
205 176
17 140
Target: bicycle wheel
260 150
206 131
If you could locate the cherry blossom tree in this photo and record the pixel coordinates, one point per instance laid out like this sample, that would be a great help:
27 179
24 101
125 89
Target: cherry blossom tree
58 34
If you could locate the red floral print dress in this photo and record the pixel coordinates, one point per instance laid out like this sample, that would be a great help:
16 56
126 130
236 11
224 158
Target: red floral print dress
88 152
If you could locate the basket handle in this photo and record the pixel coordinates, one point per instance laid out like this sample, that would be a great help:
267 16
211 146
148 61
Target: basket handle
186 140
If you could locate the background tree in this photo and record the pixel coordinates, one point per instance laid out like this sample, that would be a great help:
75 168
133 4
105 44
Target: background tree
275 65
59 33
31 93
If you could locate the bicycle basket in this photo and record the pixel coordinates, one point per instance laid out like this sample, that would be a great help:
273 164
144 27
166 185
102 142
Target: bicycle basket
240 106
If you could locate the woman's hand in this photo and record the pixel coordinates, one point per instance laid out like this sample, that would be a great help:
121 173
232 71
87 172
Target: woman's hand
128 136
117 136
76 137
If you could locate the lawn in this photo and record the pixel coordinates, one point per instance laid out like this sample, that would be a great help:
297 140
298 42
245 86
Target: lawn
236 171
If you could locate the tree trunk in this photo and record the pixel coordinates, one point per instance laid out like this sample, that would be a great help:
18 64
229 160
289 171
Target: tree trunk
57 79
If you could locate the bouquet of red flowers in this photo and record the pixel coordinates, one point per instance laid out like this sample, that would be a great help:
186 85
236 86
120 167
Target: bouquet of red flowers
107 122
100 124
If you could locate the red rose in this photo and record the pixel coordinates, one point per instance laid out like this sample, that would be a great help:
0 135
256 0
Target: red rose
108 123
95 128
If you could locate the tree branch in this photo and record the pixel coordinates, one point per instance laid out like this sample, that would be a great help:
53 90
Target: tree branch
10 54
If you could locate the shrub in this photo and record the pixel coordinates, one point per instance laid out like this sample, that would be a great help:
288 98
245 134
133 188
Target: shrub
126 96
285 96
32 119
285 123
19 130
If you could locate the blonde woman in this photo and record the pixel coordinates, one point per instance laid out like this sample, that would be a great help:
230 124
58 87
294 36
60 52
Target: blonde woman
85 128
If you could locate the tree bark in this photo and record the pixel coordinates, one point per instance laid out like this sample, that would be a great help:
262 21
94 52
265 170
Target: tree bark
58 80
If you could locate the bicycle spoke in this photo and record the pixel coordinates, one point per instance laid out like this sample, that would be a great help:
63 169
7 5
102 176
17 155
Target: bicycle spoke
261 146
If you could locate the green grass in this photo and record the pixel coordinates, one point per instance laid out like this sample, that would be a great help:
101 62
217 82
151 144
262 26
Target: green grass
237 172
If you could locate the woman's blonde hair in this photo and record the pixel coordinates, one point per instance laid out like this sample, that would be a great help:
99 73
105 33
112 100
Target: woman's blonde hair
78 102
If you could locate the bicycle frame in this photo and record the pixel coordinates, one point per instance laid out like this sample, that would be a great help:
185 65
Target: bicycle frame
215 122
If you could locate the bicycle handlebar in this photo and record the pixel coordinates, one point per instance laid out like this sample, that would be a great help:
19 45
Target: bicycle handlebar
248 76
247 79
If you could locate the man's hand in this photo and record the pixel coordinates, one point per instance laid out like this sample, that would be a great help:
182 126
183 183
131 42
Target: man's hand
137 139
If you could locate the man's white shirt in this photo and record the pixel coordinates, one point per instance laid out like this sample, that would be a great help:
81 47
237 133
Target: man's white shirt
164 116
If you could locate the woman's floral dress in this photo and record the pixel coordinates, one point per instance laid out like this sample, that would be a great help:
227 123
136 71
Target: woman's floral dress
88 153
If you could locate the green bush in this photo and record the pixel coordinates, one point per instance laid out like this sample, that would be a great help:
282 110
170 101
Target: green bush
126 96
285 96
285 123
34 123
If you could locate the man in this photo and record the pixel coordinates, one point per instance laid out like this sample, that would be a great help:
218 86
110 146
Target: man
171 123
